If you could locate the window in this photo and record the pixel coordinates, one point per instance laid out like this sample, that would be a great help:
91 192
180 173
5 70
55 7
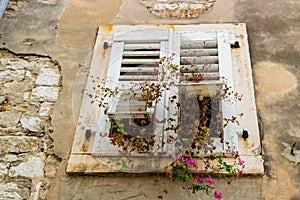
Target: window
155 78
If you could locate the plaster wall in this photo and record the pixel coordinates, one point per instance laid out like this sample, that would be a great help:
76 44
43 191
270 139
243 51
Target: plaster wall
66 30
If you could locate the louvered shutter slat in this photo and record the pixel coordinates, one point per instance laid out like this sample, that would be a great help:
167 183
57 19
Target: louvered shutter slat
199 60
199 68
135 46
201 44
143 69
140 61
141 53
199 52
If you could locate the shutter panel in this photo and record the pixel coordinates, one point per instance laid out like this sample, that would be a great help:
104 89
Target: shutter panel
135 57
204 59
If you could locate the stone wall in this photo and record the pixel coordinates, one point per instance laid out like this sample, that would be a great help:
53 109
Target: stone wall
29 87
178 8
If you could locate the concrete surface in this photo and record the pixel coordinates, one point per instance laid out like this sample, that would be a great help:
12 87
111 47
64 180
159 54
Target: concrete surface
66 30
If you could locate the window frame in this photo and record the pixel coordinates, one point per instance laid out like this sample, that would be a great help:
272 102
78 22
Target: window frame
89 114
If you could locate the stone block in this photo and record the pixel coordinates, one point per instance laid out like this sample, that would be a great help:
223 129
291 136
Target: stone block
3 171
10 75
18 144
45 109
9 191
17 65
48 77
10 158
31 123
9 118
44 93
32 168
178 8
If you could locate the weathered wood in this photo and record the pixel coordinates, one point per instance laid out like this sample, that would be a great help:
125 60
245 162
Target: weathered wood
103 143
138 77
143 69
142 35
82 162
228 104
199 68
88 164
172 113
199 76
140 53
125 85
145 46
199 60
141 61
201 44
198 36
199 52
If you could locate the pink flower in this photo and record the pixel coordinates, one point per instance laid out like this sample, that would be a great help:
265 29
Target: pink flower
241 163
218 195
188 161
191 162
209 180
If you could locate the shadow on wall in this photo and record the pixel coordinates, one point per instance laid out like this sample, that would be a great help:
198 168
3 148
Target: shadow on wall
3 5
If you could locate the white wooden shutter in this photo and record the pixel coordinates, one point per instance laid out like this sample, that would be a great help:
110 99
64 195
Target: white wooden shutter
134 59
205 60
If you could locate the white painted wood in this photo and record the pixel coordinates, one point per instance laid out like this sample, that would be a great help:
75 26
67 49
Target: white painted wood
160 107
199 52
101 143
83 162
138 77
125 85
195 35
199 76
140 61
143 69
140 53
199 44
228 105
206 52
173 113
199 68
138 46
199 60
142 35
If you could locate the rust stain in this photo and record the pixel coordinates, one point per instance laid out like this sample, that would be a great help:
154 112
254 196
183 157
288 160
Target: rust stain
241 36
171 26
109 27
80 168
84 148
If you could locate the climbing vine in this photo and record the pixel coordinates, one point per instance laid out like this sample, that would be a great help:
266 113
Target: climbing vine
192 127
